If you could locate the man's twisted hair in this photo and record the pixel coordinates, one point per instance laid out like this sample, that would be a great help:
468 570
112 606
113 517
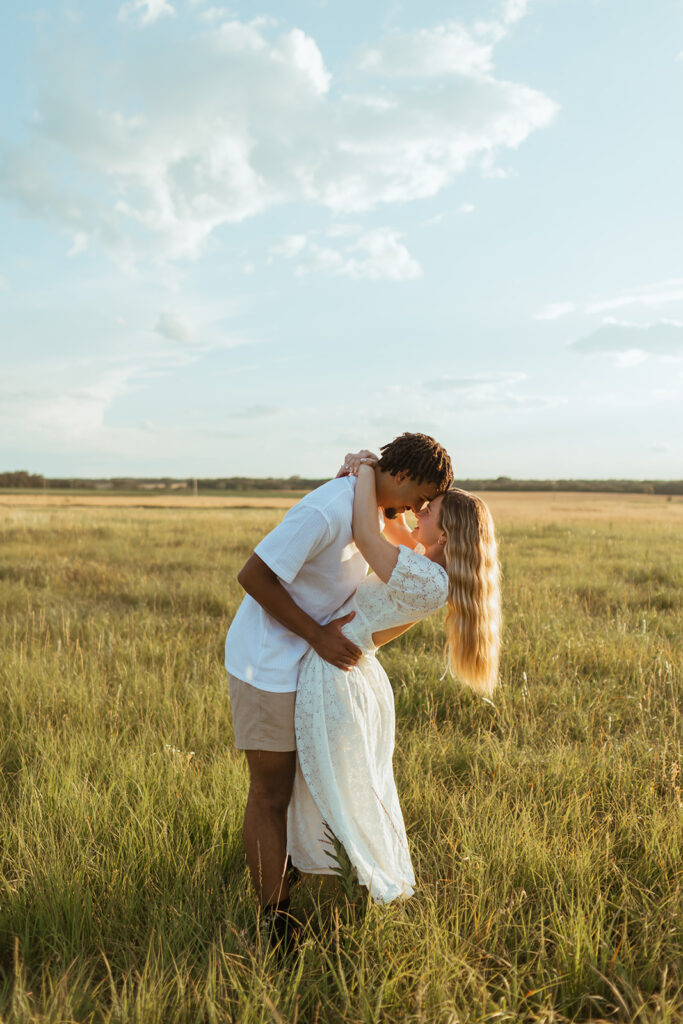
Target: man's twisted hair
420 457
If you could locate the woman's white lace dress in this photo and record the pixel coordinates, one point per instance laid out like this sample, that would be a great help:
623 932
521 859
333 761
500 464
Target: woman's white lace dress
345 740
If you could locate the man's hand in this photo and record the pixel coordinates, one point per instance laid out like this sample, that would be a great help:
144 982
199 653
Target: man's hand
261 583
353 460
333 646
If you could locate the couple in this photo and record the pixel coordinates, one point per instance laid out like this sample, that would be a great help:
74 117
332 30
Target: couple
306 635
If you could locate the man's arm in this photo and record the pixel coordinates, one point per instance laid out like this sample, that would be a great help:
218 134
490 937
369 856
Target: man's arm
261 583
397 531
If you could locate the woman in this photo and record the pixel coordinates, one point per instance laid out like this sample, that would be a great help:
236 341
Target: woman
345 720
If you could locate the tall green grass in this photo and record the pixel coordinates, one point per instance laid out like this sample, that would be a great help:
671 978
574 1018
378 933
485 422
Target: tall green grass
545 827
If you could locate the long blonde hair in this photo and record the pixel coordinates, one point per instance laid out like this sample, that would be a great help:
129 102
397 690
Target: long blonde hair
473 618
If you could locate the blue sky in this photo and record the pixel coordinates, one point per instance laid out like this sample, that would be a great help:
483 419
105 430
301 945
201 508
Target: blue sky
244 239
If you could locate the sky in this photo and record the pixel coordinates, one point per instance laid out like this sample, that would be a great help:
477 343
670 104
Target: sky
246 239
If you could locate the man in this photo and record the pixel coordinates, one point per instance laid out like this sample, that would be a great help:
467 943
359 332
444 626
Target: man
307 567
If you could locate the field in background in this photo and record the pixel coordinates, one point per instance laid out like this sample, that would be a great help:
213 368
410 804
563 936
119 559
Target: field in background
544 827
143 499
506 506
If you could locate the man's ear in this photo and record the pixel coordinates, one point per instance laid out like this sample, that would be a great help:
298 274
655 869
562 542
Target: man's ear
399 477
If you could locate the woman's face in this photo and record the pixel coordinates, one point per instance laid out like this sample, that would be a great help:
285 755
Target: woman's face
428 531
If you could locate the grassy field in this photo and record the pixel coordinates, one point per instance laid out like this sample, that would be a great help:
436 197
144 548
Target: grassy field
545 827
506 506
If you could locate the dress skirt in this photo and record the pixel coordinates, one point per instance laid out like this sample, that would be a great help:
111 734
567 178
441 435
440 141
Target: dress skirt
344 784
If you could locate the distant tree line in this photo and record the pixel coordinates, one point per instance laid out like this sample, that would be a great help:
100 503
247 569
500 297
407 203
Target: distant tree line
22 479
269 483
506 483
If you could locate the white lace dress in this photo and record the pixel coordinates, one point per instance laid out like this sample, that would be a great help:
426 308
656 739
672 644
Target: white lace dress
345 740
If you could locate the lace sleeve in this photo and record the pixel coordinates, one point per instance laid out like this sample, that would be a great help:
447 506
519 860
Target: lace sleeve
417 583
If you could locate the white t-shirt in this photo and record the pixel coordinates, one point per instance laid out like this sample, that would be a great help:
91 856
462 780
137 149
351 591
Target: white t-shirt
313 554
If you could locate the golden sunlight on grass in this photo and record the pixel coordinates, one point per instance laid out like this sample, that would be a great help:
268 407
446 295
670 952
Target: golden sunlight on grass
544 826
506 506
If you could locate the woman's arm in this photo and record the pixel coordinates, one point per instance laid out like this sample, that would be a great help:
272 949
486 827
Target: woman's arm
384 636
352 461
380 555
396 530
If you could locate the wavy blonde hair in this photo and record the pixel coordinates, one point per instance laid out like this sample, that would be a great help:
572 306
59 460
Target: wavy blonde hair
473 617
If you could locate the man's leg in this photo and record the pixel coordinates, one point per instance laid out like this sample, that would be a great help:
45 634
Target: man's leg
265 821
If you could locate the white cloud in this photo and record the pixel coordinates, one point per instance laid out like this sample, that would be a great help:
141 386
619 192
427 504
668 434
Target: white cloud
657 294
372 255
380 254
437 402
68 403
214 14
489 170
466 208
288 247
446 49
146 11
176 328
486 390
650 296
554 310
479 381
338 230
79 244
626 341
26 180
301 52
254 412
231 119
514 10
48 401
630 357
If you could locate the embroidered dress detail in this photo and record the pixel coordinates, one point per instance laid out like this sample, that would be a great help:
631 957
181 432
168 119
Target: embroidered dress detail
345 728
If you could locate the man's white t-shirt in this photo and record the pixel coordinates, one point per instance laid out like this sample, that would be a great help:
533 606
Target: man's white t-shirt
313 554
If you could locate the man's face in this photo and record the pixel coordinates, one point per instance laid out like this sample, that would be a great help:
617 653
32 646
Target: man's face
404 495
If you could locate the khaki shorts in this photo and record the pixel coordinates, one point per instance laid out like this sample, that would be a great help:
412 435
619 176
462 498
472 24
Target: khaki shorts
262 720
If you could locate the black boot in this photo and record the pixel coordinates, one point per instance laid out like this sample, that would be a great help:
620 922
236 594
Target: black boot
279 929
293 874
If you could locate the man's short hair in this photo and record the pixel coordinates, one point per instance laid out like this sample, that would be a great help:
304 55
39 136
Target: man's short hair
420 457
